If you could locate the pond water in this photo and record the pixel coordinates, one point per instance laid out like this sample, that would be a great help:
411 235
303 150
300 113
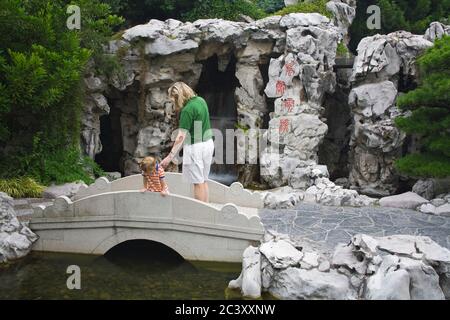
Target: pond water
140 270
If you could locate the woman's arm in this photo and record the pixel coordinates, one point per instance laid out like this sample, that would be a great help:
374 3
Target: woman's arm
176 147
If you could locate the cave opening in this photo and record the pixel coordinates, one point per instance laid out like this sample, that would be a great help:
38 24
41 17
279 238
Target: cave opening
217 86
334 150
110 158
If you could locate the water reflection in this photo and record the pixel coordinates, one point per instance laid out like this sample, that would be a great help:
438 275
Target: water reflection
137 270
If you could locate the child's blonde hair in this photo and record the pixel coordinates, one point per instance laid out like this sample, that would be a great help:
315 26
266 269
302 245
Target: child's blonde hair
148 165
181 93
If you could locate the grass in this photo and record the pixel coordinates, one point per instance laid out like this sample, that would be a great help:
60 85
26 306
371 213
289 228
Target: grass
23 187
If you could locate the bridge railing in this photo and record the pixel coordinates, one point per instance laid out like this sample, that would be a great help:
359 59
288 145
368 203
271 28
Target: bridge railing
172 211
218 193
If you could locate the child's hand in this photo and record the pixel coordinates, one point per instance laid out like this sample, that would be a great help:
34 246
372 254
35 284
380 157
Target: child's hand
164 193
143 190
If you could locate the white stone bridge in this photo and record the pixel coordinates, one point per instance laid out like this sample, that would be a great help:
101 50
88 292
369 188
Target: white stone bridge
109 213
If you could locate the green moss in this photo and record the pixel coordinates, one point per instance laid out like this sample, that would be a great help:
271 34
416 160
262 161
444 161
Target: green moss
318 6
242 127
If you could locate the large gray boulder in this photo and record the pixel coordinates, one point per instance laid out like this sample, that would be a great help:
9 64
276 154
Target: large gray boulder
16 239
281 254
300 284
67 189
282 198
250 279
407 200
373 99
343 16
430 188
436 31
400 278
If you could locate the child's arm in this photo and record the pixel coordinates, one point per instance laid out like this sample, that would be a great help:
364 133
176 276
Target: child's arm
145 184
165 188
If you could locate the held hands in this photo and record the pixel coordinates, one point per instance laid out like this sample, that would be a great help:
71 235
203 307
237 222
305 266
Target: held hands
164 193
166 161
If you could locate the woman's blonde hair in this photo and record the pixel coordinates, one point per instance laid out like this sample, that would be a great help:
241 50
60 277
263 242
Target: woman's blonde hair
181 93
148 165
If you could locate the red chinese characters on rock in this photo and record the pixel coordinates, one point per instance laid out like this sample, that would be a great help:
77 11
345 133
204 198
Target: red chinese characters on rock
290 68
288 104
284 125
280 87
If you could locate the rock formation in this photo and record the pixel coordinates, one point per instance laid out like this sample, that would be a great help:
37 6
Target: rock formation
277 74
396 267
384 67
16 238
298 50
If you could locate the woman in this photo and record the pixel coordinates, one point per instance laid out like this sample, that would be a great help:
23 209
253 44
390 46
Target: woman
196 136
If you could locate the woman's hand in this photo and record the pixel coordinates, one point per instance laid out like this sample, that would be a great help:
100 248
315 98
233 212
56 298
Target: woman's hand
167 160
143 190
176 147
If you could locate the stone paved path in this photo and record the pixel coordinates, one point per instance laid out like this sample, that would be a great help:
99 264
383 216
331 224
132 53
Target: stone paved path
327 226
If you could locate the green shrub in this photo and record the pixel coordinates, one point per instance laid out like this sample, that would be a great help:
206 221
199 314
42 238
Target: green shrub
270 6
430 115
62 166
228 10
419 166
42 64
342 50
318 6
68 166
23 187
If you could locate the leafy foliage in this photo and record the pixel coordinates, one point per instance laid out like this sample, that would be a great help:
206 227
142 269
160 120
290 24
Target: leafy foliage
318 6
270 6
66 165
23 187
430 115
229 10
138 12
41 92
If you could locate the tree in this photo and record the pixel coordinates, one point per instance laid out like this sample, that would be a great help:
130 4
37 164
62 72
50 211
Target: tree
430 115
139 12
41 67
270 6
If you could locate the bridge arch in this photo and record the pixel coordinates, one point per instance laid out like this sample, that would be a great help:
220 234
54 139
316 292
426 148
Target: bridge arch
154 236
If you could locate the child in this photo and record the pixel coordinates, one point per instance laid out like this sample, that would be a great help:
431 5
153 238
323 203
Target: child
153 175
